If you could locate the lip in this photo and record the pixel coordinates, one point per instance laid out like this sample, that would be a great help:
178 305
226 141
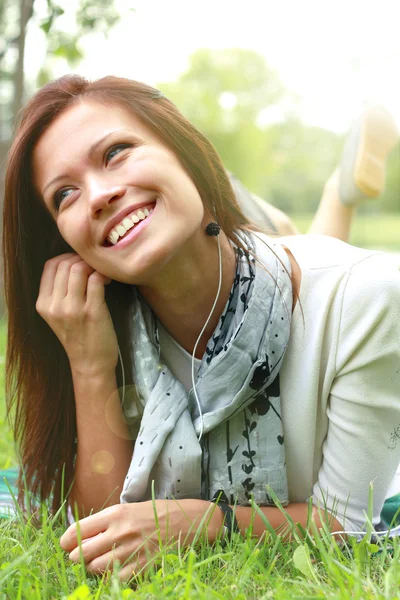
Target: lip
134 232
122 214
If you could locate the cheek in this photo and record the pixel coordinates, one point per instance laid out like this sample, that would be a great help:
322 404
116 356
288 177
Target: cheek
74 230
157 171
141 171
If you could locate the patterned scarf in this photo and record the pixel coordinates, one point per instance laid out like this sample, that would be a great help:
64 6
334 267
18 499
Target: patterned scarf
242 448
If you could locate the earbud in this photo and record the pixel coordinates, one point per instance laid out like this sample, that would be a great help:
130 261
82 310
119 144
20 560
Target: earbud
213 229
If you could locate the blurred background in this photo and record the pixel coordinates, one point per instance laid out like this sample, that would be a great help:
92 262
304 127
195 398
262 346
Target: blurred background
274 85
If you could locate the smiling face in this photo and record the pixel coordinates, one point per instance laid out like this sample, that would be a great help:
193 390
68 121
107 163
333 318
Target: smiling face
95 167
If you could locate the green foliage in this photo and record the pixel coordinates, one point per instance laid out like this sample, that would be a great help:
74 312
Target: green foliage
253 121
223 93
32 566
54 11
8 36
96 16
390 200
8 22
302 562
298 160
90 17
376 231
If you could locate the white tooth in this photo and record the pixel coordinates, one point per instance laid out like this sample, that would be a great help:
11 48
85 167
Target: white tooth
140 214
135 218
150 211
113 237
121 229
127 223
146 212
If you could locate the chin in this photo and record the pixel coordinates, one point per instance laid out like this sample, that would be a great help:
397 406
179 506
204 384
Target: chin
146 274
146 262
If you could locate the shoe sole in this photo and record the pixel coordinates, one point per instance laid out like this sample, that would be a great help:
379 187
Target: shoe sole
370 141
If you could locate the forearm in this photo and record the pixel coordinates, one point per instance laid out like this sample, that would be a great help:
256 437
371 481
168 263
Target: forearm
104 447
298 512
197 510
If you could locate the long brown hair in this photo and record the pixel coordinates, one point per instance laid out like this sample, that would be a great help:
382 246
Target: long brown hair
38 377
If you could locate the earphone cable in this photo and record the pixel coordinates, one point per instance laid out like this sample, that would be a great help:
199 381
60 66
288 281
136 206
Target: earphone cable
201 333
123 376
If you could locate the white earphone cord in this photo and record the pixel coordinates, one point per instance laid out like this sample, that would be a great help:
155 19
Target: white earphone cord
123 377
201 333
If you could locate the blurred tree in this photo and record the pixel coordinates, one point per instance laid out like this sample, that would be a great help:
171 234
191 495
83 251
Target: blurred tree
298 161
89 15
223 93
239 103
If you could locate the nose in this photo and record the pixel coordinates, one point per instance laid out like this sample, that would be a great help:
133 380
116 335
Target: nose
102 194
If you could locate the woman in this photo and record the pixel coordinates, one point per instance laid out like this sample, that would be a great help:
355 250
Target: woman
243 361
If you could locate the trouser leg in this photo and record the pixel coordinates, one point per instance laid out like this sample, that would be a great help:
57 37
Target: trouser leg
262 213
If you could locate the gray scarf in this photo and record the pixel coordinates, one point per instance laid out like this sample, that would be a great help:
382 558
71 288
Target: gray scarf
242 448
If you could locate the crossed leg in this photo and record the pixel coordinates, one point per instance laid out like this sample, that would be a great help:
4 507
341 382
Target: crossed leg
361 175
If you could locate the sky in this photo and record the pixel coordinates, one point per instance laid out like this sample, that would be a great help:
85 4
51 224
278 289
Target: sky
337 55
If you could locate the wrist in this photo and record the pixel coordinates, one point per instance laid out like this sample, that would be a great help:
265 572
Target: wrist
89 377
205 514
230 523
217 528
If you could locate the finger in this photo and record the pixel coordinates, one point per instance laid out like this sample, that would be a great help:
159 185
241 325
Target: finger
136 568
77 282
91 548
95 290
60 285
129 572
119 556
49 272
88 527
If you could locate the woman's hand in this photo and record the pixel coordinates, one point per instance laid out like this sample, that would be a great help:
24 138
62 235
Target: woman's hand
71 301
128 533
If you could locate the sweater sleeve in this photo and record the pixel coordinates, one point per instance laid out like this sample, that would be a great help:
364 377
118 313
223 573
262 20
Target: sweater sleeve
363 439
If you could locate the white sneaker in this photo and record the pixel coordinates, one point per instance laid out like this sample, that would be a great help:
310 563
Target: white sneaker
363 165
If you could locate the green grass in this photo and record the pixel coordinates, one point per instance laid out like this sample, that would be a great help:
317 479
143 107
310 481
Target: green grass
377 231
33 566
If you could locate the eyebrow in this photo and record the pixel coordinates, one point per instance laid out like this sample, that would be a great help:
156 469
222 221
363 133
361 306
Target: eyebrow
90 153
